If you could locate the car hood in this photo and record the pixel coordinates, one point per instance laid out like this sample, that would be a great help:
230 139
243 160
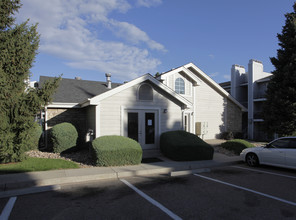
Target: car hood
253 149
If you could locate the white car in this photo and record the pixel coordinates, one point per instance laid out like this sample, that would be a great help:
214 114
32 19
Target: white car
280 152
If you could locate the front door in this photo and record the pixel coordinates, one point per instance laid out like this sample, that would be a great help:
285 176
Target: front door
141 125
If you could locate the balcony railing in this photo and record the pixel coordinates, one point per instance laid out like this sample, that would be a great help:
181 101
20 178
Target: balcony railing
258 115
260 96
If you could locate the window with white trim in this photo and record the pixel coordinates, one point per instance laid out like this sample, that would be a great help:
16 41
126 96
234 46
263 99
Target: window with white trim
179 86
145 93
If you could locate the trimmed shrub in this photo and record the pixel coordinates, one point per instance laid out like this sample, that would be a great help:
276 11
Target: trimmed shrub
63 136
184 146
32 137
236 145
116 151
227 135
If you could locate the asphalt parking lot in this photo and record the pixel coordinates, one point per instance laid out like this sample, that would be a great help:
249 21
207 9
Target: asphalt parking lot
234 192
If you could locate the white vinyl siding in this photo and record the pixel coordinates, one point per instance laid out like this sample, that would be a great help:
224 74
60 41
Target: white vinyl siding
171 82
111 111
210 107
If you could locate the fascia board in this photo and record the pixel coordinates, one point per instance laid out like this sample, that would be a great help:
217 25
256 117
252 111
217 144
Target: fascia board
180 69
95 100
216 85
193 76
173 71
63 105
85 103
98 98
171 92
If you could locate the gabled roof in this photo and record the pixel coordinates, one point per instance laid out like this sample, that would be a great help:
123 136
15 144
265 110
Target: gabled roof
77 91
147 77
200 75
180 69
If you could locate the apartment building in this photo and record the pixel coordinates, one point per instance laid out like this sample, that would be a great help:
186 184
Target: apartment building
248 88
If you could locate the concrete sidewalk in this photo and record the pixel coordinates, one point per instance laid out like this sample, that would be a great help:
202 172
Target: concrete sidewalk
11 184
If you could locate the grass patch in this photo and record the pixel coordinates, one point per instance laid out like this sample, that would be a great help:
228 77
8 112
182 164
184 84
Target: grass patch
236 145
37 164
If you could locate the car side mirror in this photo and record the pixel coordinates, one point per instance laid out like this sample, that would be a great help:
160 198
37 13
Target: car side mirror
268 146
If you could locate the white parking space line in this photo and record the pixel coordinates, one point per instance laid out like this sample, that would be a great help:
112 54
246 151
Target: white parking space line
261 171
246 189
7 209
154 202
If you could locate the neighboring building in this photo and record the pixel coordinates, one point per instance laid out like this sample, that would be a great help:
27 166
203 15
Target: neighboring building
249 89
181 99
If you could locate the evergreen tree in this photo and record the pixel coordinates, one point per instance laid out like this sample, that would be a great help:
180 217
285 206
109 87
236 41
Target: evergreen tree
18 104
280 107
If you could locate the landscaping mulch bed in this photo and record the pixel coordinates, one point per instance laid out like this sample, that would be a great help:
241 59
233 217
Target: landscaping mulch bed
81 157
222 150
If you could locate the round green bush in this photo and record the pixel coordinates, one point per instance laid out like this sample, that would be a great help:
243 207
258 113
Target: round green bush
116 151
184 146
63 136
236 145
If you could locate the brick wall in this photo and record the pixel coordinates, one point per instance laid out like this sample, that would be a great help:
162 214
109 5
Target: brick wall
234 117
75 116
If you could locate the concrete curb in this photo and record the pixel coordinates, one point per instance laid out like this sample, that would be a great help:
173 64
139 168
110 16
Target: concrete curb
26 183
26 191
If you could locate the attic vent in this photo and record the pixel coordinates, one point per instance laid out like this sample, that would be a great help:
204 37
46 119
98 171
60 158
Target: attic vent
78 78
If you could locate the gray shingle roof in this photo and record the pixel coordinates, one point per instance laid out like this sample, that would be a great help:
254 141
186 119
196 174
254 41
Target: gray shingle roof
77 91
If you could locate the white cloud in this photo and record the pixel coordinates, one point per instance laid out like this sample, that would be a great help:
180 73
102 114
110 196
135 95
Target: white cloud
227 77
68 30
148 3
133 34
212 75
212 56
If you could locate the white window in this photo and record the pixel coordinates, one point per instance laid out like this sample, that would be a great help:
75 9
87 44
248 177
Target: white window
180 86
145 93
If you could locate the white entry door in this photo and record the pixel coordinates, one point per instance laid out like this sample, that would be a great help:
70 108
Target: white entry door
142 126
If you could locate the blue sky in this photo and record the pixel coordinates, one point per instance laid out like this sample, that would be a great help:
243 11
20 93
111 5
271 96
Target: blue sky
128 38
